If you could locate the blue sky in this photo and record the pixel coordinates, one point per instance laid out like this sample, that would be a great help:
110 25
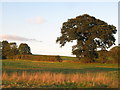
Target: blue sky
38 23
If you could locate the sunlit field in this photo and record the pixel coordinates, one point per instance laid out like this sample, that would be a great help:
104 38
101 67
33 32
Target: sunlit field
35 74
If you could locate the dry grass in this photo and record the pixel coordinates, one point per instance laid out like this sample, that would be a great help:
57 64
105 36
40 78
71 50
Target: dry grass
49 78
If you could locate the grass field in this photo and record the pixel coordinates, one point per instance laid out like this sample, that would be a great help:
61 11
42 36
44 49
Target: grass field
26 73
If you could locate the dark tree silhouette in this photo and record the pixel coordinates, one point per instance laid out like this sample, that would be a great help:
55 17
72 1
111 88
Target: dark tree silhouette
24 49
9 50
0 50
5 49
90 34
13 49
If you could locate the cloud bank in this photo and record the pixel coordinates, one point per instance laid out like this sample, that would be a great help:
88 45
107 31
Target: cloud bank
36 20
16 38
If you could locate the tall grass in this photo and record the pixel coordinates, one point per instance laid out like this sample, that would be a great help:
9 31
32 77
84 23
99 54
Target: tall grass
49 79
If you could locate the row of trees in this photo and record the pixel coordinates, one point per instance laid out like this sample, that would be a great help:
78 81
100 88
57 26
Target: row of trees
8 50
12 51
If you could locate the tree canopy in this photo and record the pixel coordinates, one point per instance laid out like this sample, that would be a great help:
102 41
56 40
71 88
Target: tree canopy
90 34
24 49
8 50
5 49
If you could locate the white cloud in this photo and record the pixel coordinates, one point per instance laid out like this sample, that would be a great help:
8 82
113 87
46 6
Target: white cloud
36 20
15 38
39 20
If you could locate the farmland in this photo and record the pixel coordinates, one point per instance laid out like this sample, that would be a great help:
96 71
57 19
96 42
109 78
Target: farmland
41 74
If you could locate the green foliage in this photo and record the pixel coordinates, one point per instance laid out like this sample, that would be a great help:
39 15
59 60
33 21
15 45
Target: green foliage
24 49
114 54
89 33
103 56
111 56
9 50
5 49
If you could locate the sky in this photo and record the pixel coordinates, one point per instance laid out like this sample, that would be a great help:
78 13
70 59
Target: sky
38 23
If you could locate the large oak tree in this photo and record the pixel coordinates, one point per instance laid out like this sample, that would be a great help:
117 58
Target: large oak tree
90 34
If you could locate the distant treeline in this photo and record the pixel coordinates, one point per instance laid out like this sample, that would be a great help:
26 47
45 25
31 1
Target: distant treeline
23 52
8 50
